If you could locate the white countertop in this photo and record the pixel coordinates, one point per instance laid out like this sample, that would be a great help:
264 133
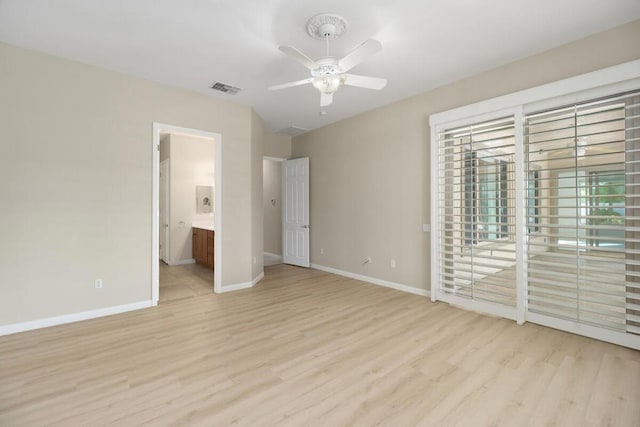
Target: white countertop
203 224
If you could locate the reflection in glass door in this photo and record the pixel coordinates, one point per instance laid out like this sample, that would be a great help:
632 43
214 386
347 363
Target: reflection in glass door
577 266
478 248
606 210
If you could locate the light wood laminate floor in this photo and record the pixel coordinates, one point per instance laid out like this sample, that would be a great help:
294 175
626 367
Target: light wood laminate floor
306 347
184 281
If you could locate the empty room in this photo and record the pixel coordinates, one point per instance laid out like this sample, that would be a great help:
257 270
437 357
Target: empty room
289 213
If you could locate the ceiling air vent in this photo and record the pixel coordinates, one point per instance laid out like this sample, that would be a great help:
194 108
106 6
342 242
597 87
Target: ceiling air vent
223 87
293 131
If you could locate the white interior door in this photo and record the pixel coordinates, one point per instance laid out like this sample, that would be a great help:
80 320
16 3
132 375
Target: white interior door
295 216
164 210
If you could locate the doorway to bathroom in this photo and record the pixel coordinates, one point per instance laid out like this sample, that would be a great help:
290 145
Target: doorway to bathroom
186 213
272 201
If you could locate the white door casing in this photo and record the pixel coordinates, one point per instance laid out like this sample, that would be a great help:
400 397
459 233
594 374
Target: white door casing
164 210
295 215
157 129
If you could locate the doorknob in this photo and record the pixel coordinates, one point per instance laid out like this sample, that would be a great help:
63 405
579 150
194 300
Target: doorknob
305 226
165 225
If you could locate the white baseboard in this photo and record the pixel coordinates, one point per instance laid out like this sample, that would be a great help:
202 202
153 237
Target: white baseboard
69 318
181 262
373 280
277 259
257 279
243 285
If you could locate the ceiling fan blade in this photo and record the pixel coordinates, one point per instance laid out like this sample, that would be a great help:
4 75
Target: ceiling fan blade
291 84
326 99
299 56
359 54
365 81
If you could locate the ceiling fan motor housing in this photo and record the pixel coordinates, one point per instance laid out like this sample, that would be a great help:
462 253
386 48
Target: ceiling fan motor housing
327 67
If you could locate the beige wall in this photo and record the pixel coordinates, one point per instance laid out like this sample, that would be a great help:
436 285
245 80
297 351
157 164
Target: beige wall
76 194
192 163
370 174
277 145
272 184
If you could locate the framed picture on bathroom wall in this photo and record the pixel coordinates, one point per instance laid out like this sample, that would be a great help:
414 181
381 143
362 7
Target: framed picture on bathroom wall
204 199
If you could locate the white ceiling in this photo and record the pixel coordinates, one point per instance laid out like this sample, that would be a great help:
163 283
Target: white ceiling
192 43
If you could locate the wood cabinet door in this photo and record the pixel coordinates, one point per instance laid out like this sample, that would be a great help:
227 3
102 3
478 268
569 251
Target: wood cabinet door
202 237
194 244
210 245
203 247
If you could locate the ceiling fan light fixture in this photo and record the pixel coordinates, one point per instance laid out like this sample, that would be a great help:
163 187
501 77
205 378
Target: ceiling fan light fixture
328 84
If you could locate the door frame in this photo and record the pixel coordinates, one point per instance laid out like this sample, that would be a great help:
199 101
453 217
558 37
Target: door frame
167 213
155 203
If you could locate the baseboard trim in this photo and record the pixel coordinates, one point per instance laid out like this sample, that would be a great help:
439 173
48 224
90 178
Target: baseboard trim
74 317
181 262
257 279
276 257
243 285
374 281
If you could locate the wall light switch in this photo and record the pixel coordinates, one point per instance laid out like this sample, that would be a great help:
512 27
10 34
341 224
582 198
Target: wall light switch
426 228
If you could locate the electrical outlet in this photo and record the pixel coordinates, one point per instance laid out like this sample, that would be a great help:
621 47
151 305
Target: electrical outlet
393 263
321 251
97 284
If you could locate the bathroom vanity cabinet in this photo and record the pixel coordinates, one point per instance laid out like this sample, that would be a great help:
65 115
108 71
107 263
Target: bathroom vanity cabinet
202 241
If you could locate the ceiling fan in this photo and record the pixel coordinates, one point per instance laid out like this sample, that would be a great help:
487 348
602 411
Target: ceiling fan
329 74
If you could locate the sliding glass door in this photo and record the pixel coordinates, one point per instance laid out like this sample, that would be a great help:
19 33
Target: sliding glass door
580 257
538 217
477 204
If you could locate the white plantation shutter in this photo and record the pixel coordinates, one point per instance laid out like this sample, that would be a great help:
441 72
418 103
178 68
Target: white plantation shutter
583 212
535 205
632 199
476 193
